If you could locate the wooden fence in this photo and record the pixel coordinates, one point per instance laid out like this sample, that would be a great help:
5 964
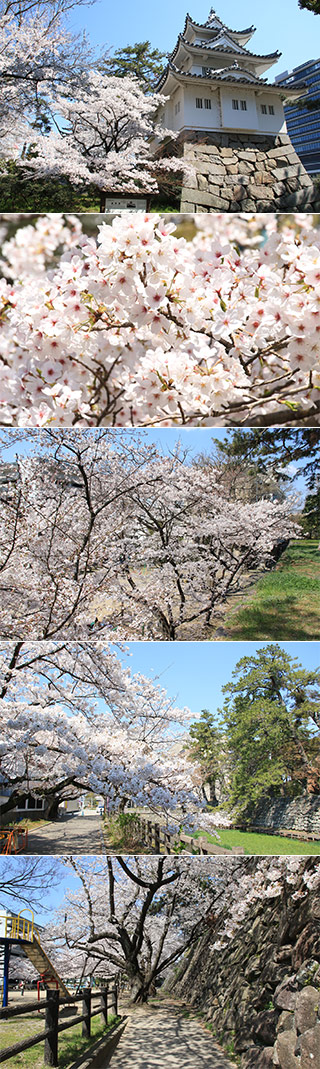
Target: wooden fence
108 1004
162 841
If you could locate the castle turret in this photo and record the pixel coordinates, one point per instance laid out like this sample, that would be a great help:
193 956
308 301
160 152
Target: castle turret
217 94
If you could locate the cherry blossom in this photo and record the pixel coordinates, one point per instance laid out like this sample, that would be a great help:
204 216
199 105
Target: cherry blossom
137 917
73 719
141 327
101 534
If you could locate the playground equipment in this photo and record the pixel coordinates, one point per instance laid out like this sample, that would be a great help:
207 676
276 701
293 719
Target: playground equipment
17 933
14 841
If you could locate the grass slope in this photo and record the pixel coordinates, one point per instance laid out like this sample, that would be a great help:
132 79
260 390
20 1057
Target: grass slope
261 844
286 602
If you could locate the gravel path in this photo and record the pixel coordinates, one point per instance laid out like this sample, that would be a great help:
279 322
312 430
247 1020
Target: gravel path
161 1038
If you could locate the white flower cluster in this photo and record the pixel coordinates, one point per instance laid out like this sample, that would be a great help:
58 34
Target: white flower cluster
270 879
142 327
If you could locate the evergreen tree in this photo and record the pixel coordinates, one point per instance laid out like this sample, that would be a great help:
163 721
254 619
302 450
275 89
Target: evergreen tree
311 515
272 720
266 450
204 746
311 5
140 60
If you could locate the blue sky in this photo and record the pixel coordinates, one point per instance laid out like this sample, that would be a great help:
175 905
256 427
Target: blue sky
280 26
194 672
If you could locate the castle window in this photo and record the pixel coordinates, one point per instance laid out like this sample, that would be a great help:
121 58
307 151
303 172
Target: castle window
177 108
207 105
243 105
264 109
271 109
235 105
198 102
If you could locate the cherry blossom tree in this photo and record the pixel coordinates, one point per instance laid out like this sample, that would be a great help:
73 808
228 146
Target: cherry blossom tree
101 534
39 57
140 916
103 138
73 719
144 328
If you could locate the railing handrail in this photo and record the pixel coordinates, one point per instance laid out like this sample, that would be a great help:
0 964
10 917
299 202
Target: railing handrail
53 1028
157 835
20 927
16 1011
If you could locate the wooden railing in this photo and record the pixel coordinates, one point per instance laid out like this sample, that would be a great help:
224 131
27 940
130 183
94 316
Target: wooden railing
108 1005
162 841
13 841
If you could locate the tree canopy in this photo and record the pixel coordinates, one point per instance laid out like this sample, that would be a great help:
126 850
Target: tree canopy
272 451
140 60
311 5
101 534
271 716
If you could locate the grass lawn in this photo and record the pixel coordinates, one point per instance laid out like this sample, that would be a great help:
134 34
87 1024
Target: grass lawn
286 602
71 1044
260 844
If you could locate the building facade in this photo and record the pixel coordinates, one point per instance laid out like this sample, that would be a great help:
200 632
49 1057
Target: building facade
229 123
213 82
303 124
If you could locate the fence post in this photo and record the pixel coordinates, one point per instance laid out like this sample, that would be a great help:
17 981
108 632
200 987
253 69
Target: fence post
149 833
52 1017
86 1010
114 1000
157 838
104 1004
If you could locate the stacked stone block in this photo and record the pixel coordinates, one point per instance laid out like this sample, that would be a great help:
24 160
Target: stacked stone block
261 994
239 173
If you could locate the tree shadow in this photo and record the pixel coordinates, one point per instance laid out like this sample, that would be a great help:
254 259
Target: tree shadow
162 1039
275 620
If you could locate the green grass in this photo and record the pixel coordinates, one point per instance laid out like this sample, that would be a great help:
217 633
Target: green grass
260 844
70 1043
286 602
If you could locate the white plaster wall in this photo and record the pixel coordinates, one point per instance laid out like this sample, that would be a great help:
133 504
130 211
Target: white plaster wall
252 118
239 120
271 123
200 118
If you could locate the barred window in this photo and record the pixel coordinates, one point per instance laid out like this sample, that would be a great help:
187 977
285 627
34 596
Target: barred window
177 108
198 102
207 104
264 109
243 104
235 105
271 109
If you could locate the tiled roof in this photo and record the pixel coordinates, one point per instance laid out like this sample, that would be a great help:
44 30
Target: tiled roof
222 48
206 26
247 78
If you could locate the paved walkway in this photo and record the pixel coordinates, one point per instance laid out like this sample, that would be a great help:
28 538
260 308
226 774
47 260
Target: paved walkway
161 1038
71 834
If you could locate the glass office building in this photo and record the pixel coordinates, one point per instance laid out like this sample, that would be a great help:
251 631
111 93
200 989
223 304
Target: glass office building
303 123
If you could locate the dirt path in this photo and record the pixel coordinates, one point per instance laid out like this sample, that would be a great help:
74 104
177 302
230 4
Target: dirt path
161 1038
71 834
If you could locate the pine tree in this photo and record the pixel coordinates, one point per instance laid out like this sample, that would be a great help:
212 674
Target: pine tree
272 719
205 747
140 60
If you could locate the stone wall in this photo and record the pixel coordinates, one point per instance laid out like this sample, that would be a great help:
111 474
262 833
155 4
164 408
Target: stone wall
246 173
302 814
262 993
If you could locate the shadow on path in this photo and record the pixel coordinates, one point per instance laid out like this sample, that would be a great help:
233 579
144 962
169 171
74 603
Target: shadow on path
71 834
161 1038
